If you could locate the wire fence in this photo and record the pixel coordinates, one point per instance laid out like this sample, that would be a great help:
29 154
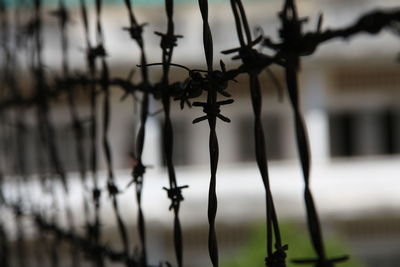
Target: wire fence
20 35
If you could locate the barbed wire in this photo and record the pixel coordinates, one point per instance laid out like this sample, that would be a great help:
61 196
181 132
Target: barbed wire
135 31
254 63
166 92
287 53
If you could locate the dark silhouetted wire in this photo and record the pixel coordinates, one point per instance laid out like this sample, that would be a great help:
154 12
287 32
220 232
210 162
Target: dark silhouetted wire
174 192
135 31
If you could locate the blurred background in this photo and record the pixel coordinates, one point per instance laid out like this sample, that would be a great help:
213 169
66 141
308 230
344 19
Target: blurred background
350 97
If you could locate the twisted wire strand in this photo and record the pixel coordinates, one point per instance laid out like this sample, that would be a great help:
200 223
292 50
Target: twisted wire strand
21 246
112 188
249 58
168 42
20 147
213 139
47 130
92 53
4 247
63 17
296 44
4 33
290 31
292 62
44 107
135 30
21 249
79 134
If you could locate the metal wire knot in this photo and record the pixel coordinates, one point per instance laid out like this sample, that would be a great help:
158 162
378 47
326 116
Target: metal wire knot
212 110
138 172
168 41
112 188
96 193
95 52
175 194
135 31
277 259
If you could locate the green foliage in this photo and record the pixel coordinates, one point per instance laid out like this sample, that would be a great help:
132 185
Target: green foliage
253 251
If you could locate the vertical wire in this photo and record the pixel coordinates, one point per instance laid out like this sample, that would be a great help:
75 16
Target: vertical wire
42 113
40 146
94 231
63 16
77 127
135 31
168 42
112 189
44 108
47 134
21 247
290 32
213 139
19 147
20 243
4 33
4 246
303 148
247 53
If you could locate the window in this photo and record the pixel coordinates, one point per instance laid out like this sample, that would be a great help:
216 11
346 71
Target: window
341 132
369 132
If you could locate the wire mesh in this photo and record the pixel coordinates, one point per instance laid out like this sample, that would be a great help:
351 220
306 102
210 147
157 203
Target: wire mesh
20 34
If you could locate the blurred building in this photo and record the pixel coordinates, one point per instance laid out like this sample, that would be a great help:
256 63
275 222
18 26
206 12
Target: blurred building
350 96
